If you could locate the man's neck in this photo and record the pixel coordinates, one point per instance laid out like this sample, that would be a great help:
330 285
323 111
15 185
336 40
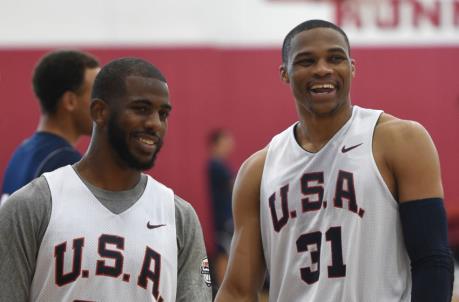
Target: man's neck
58 127
102 170
313 132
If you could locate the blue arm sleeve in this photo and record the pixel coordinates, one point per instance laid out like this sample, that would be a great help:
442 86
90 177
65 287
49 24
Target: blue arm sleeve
426 238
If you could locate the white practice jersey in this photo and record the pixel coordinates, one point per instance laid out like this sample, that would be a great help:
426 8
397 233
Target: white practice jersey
330 227
90 254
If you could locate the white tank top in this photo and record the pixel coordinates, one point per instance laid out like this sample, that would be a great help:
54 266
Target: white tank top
91 254
330 226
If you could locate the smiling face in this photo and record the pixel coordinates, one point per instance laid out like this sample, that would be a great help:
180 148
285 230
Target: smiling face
138 122
319 71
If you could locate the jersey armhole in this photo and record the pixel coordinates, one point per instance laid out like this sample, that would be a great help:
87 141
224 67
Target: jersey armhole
375 165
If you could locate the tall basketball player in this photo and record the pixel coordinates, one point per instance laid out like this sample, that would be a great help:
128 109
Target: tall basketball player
101 230
345 204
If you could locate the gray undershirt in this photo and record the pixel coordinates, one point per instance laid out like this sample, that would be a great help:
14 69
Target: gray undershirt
24 218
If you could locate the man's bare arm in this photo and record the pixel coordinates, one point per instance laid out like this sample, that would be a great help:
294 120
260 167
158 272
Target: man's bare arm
413 160
414 166
246 269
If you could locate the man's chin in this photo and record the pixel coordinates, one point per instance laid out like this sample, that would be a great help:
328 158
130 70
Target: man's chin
326 108
146 166
142 165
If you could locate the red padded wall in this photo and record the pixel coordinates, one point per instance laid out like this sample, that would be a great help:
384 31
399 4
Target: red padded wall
240 89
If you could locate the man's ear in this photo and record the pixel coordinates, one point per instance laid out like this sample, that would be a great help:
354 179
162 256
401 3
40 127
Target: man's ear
284 74
69 101
353 67
99 112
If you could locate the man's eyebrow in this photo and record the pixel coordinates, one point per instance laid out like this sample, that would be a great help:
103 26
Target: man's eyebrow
300 55
303 53
167 106
148 102
309 53
141 100
337 49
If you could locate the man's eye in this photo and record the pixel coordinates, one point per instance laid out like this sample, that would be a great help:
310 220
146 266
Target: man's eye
163 115
305 62
336 59
141 109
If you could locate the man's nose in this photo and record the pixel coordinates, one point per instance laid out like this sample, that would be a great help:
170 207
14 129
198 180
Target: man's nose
323 68
153 121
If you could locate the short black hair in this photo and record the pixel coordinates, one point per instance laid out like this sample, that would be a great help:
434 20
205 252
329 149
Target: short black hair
307 25
110 82
57 72
215 135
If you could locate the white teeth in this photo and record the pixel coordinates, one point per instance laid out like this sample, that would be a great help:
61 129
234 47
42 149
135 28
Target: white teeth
146 141
323 86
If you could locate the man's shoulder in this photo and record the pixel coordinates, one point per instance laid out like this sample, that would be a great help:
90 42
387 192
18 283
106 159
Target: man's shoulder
397 139
248 180
182 206
32 198
57 158
391 127
23 149
185 213
43 140
255 162
44 152
19 170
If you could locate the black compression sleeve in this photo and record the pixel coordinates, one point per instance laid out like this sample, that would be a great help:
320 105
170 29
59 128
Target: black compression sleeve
426 238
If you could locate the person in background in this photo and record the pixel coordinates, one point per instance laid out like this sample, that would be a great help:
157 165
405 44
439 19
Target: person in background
220 183
62 82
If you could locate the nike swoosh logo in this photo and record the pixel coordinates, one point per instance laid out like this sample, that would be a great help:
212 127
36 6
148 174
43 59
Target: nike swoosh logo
344 149
154 226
